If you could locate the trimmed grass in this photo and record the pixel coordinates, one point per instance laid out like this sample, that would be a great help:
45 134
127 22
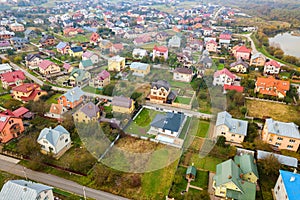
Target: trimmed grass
53 98
203 128
201 179
4 177
149 46
277 111
183 100
207 163
178 84
143 119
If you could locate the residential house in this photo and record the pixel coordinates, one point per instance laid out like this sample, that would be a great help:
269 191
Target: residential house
196 45
116 48
21 189
101 80
281 134
234 130
10 127
6 35
12 79
56 111
224 76
88 55
76 51
23 113
16 27
258 60
161 92
116 63
71 98
4 45
32 61
205 60
287 185
248 166
19 42
4 68
229 183
139 53
27 92
47 40
105 44
68 68
29 33
63 48
142 39
161 36
140 69
47 67
183 74
79 77
224 39
38 21
169 124
236 88
160 52
271 86
72 31
272 67
207 31
185 59
87 113
86 64
239 66
95 38
121 104
211 46
54 141
175 42
241 52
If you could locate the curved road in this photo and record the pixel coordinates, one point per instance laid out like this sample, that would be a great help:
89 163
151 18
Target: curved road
55 181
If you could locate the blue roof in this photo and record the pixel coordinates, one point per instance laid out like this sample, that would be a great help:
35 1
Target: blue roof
292 185
15 189
169 121
76 49
52 135
235 125
139 66
61 45
74 94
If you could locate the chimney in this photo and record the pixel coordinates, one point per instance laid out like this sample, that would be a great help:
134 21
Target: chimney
292 178
295 171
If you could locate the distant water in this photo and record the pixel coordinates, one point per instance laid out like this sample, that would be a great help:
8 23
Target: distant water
288 43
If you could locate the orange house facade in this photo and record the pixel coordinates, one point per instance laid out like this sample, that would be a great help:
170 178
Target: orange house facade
10 127
72 98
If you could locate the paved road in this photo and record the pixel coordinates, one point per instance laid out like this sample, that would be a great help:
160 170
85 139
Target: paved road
56 181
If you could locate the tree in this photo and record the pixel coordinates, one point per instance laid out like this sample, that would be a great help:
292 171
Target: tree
46 88
270 166
279 53
18 59
221 141
108 90
12 104
252 132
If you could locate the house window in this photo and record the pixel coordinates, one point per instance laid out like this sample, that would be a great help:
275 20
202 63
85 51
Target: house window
278 188
223 133
45 142
277 144
292 141
279 138
289 146
232 135
240 136
67 140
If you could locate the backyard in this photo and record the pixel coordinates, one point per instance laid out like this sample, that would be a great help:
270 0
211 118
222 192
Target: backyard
277 111
183 100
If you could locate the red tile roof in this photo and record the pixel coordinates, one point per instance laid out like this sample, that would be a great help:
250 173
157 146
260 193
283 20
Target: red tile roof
233 87
31 96
26 87
20 111
273 63
243 49
45 64
12 76
225 36
212 42
3 120
160 49
118 46
271 86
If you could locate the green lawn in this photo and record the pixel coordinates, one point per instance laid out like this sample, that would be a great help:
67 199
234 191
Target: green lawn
201 179
178 84
203 128
143 119
183 100
107 109
149 46
1 88
53 98
207 163
134 128
185 128
5 177
220 66
91 90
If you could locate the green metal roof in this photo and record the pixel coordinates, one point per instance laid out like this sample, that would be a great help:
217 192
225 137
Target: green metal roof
87 63
248 194
247 164
191 170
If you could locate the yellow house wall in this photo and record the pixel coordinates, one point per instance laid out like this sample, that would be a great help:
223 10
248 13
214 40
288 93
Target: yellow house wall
123 110
250 177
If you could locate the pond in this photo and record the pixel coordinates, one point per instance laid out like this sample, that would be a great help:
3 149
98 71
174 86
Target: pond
289 43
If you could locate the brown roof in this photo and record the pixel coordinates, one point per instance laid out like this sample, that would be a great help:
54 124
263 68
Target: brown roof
183 71
56 108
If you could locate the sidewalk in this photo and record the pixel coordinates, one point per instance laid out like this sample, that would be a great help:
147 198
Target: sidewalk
9 159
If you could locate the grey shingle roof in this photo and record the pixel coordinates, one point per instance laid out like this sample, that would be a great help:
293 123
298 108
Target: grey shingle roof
235 125
161 83
90 110
52 135
170 121
121 101
74 94
283 128
21 189
285 160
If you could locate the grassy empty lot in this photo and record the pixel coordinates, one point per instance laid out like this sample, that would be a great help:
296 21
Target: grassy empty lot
91 90
53 98
203 128
277 111
149 46
183 100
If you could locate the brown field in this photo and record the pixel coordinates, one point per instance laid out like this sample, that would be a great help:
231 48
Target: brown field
277 111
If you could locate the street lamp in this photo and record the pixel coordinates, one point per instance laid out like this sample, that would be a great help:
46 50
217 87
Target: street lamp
25 173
